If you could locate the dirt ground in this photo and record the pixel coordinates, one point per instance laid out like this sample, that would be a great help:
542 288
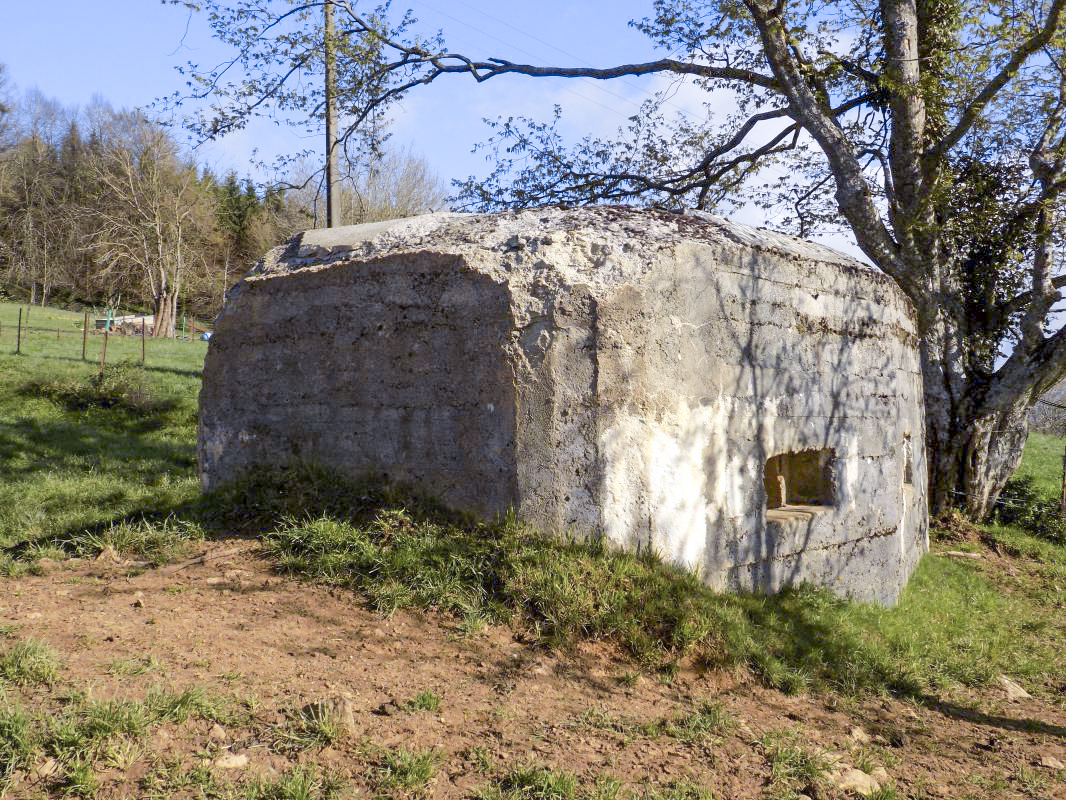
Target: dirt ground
272 645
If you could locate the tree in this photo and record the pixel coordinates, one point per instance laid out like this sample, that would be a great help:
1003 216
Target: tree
31 227
280 44
392 186
150 217
5 108
933 130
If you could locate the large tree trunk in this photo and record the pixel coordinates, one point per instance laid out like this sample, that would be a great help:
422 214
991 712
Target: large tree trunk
976 426
972 456
165 315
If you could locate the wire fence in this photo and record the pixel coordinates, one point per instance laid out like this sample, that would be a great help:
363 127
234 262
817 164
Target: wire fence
25 338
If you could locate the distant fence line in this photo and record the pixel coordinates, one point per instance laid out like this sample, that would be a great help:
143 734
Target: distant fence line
23 333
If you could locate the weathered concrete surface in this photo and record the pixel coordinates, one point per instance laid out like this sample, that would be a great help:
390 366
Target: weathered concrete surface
644 375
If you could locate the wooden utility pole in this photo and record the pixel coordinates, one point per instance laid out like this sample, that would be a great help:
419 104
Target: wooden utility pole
332 186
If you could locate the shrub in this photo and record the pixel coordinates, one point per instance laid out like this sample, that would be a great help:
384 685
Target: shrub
1020 504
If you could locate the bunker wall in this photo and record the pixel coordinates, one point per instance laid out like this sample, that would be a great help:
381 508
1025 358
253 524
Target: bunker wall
390 368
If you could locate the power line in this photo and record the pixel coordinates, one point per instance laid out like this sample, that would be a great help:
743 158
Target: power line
516 48
526 52
577 59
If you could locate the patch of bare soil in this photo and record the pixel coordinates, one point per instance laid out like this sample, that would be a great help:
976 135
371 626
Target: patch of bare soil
272 645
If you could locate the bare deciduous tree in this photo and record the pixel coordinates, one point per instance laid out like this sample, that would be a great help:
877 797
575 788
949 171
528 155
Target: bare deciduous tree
149 219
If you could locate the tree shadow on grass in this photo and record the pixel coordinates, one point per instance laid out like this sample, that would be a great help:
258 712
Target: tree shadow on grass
29 446
85 450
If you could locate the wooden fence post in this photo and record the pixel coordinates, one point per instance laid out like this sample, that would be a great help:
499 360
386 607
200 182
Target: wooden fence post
84 335
18 336
142 341
103 353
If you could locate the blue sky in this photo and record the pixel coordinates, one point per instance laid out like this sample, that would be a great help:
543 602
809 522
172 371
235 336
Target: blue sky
126 51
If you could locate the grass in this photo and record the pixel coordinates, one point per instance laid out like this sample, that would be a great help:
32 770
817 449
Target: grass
80 453
678 790
88 734
534 782
306 731
1042 463
705 723
96 463
409 771
17 742
426 700
30 662
793 767
302 782
164 705
953 626
131 667
530 782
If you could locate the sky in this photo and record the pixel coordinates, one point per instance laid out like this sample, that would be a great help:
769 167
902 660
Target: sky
127 52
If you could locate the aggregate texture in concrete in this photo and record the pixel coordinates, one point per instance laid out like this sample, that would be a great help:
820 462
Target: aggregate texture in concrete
744 403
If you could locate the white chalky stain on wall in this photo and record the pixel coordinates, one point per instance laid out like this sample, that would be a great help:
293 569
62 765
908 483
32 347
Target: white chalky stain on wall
677 486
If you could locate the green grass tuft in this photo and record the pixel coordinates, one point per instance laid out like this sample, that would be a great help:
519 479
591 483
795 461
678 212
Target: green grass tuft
406 770
302 782
678 790
307 730
79 780
30 662
706 722
164 705
531 782
427 700
17 742
793 767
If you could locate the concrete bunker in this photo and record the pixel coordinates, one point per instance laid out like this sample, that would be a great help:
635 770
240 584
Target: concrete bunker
731 398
